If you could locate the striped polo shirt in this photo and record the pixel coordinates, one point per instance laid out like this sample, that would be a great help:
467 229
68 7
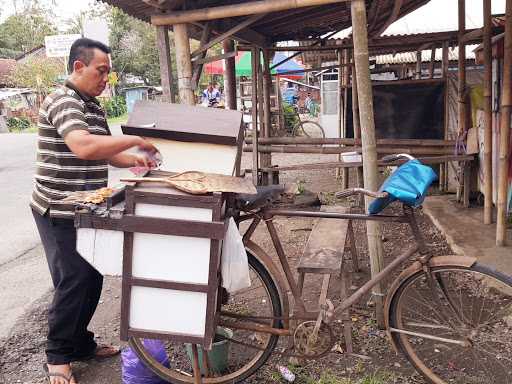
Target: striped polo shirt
58 170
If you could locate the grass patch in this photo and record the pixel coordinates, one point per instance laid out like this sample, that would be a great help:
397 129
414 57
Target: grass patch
31 129
118 120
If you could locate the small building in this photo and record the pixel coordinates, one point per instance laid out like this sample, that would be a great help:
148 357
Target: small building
140 92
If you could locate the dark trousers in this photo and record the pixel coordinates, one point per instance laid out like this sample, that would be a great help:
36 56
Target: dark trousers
77 292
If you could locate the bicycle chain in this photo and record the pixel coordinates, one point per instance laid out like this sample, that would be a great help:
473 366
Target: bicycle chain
318 355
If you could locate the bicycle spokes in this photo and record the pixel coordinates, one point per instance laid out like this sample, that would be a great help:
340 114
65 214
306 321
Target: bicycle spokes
459 329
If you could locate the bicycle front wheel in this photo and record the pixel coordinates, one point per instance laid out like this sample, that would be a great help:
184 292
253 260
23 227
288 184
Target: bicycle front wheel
260 299
309 129
457 326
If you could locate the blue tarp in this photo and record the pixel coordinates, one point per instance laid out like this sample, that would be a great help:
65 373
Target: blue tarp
408 184
290 65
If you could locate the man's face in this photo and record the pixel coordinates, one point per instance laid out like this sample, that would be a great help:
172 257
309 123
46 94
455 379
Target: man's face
93 77
210 87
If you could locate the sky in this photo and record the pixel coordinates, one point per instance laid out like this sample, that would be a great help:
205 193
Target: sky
437 15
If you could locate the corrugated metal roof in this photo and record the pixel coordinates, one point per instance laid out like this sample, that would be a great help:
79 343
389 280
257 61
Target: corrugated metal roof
410 57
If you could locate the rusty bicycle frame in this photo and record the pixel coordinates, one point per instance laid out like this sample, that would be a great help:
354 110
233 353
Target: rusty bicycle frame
426 261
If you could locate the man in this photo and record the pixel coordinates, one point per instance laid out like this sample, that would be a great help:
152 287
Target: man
74 150
211 96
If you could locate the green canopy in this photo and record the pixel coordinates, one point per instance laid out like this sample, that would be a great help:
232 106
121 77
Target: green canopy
243 66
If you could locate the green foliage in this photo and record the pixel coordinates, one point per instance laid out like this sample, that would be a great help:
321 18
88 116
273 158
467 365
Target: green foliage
134 49
27 28
17 124
290 117
38 73
115 106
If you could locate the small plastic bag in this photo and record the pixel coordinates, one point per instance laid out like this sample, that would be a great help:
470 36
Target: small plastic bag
133 369
234 265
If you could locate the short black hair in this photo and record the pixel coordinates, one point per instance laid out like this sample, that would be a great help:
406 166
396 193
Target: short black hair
82 49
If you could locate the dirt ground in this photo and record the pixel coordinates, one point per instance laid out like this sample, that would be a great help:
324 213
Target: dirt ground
22 353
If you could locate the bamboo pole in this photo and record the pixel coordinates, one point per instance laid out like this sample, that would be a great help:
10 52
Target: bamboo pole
362 65
254 109
229 75
443 167
462 78
448 144
234 10
487 113
356 125
342 110
164 56
264 80
336 150
432 61
183 64
418 64
506 109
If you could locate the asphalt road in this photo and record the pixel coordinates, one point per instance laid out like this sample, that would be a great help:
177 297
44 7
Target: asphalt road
24 275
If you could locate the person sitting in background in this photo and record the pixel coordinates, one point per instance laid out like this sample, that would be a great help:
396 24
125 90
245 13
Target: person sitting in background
211 96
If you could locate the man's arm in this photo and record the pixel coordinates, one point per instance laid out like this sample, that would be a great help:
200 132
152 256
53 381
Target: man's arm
127 160
99 147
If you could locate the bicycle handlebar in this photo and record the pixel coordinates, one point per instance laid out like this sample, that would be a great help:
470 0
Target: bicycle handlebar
360 191
395 157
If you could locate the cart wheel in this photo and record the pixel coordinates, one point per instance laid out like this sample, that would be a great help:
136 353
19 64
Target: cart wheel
261 299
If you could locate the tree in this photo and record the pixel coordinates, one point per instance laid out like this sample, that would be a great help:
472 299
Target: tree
134 49
38 73
27 28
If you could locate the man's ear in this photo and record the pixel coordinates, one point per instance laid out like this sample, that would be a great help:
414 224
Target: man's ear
78 66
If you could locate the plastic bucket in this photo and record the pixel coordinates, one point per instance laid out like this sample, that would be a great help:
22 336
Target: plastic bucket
218 356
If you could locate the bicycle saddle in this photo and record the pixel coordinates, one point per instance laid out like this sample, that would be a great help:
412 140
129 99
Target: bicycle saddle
265 195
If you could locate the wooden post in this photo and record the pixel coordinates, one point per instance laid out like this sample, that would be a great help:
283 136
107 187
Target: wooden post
506 109
346 80
371 182
183 64
432 61
356 124
229 75
255 59
418 64
195 365
443 167
342 70
266 85
462 80
487 113
164 56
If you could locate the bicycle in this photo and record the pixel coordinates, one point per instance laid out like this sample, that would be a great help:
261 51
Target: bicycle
305 127
449 315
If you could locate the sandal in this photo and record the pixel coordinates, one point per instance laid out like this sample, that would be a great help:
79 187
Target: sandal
49 375
102 352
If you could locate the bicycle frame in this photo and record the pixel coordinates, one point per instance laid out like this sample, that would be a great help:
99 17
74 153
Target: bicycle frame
268 214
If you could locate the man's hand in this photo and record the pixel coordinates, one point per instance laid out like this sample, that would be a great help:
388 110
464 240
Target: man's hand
146 146
144 160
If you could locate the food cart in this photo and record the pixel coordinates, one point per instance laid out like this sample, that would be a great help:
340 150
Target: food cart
165 243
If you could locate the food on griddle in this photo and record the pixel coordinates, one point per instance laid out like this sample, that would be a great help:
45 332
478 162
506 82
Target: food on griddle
98 196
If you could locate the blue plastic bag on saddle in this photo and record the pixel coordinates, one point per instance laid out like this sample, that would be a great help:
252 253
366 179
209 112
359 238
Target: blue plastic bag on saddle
408 184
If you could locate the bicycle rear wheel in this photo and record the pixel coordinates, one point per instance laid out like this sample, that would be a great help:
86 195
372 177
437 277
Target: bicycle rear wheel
457 329
309 129
261 299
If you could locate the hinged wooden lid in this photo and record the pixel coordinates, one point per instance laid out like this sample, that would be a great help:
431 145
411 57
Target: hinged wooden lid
185 123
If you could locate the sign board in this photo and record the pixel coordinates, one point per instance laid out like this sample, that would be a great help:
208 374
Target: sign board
59 45
96 29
